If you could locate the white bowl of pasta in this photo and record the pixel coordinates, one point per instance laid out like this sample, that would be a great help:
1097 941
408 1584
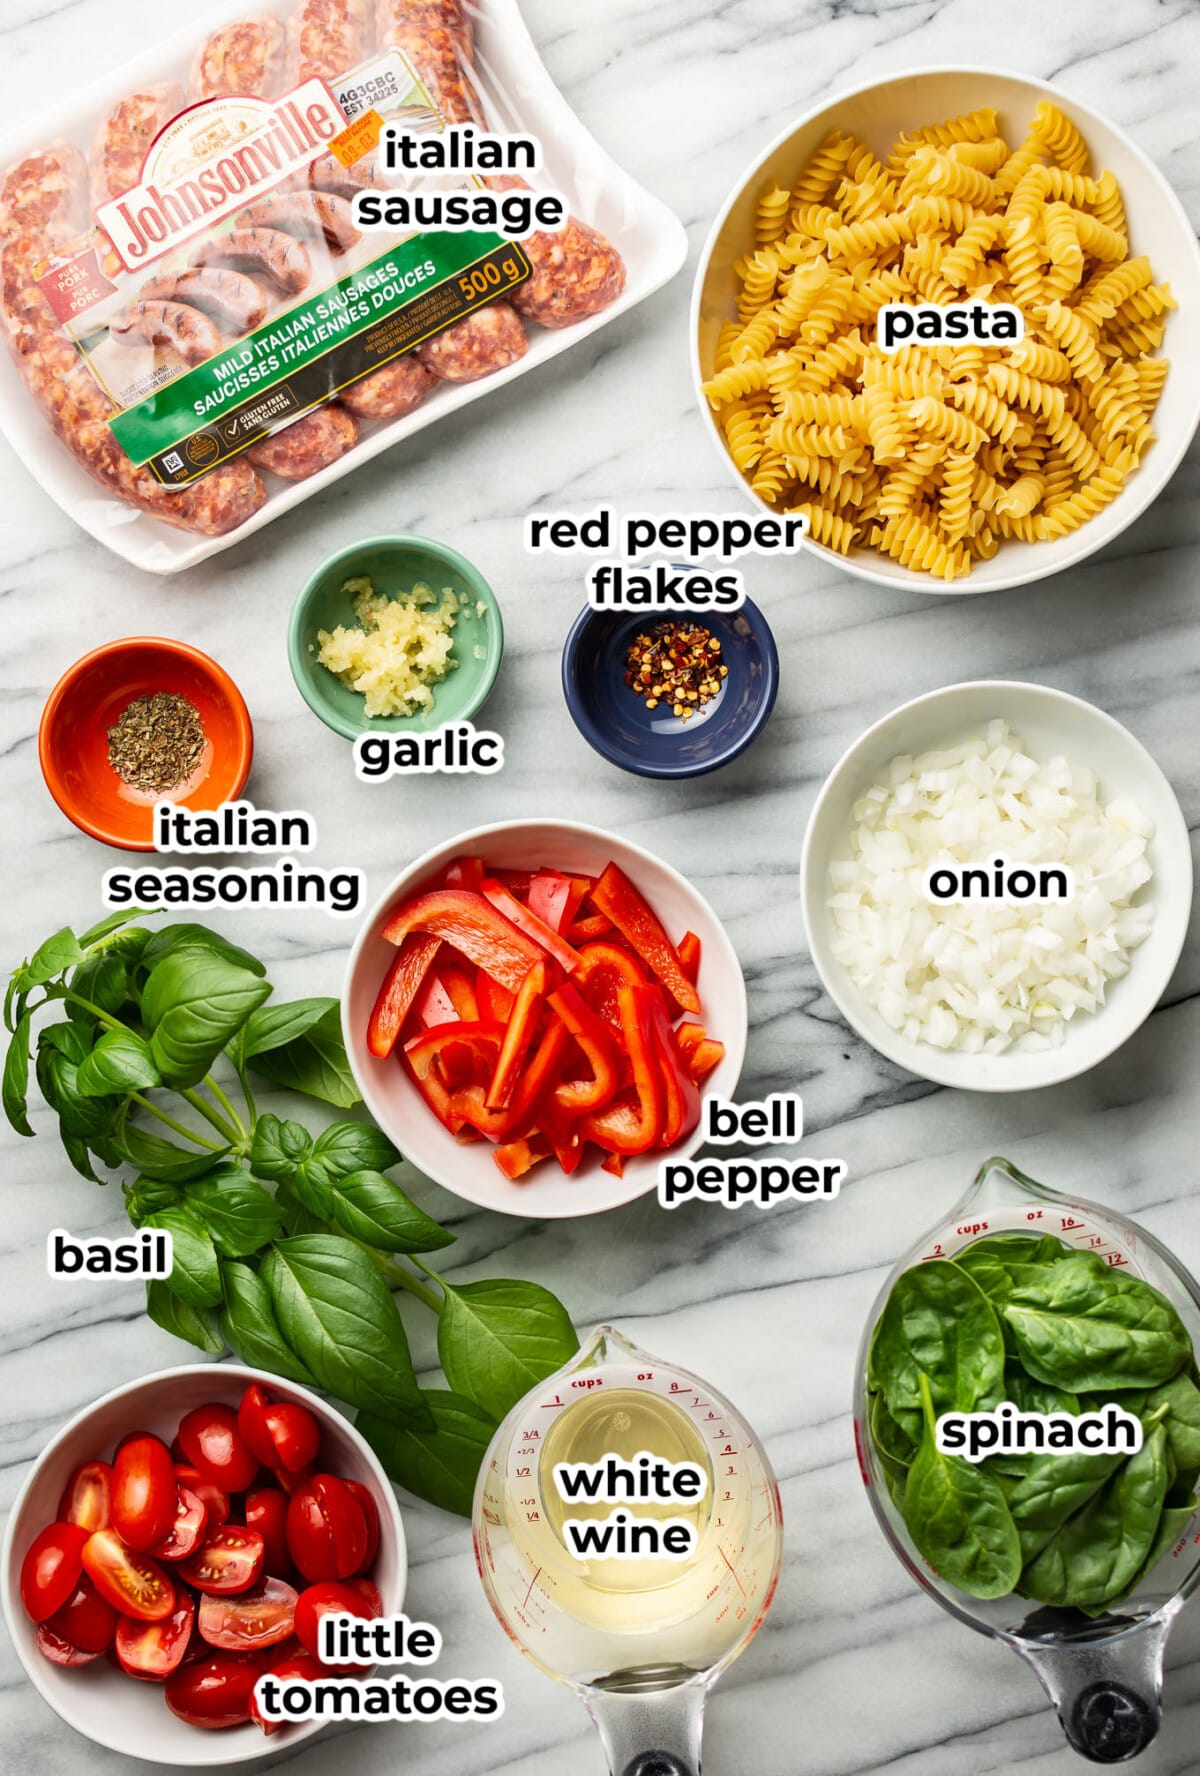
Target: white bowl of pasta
966 467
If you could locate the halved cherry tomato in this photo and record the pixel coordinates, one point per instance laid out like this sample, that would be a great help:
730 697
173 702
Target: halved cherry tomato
319 1601
151 1651
144 1492
189 1528
301 1665
50 1570
212 1442
326 1529
215 1502
280 1434
52 1646
290 1483
371 1514
266 1511
259 1618
370 1592
214 1692
85 1621
229 1560
88 1497
132 1583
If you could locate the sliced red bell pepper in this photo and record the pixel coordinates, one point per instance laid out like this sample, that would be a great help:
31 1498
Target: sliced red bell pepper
705 1057
433 1004
495 1001
457 1064
467 1105
596 1039
549 898
517 1159
471 925
421 1053
465 872
516 881
612 1162
587 929
401 985
636 920
459 983
689 955
603 969
690 1035
681 1100
562 1132
530 925
633 1124
518 1036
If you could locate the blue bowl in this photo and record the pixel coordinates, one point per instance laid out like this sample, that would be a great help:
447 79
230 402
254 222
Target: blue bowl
652 742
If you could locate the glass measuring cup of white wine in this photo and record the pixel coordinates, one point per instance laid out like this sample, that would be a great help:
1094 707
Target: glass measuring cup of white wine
586 1588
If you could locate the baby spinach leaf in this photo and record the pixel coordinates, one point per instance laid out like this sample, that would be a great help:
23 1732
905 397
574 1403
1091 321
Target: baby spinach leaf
199 941
1082 1326
198 1325
240 1216
16 1077
1172 1525
937 1322
192 1004
337 1313
894 1447
1053 1487
1029 1395
120 1062
1182 1490
439 1465
250 1327
957 1516
373 1209
314 1063
277 1148
1096 1556
195 1276
165 1161
498 1339
1182 1423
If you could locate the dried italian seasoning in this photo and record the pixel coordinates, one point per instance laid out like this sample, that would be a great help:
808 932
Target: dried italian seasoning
157 742
675 663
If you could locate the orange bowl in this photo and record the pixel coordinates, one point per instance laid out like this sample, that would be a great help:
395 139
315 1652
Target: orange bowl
88 700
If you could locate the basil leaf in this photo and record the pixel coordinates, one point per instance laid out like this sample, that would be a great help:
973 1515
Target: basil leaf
373 1209
165 1160
198 1325
1082 1326
278 1148
120 1062
77 1151
146 1196
199 940
296 1218
105 928
354 1147
1097 1554
191 1005
957 1516
195 1276
85 1118
57 954
274 1026
937 1322
250 1327
314 1063
240 1216
335 1310
498 1339
311 1187
440 1465
16 1077
104 982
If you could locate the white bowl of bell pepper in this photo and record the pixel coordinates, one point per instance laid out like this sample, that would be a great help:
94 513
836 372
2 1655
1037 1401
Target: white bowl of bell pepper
534 1013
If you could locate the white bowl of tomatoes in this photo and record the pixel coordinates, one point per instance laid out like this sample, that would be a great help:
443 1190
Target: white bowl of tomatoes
183 1537
534 1012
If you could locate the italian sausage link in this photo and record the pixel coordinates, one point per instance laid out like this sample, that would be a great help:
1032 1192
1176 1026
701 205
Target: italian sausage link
126 133
398 388
576 271
249 56
477 346
308 445
46 190
312 215
184 329
329 175
284 260
440 54
327 38
229 297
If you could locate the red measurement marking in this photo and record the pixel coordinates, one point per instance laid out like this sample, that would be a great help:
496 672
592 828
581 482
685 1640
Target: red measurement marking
549 1405
732 1572
533 1581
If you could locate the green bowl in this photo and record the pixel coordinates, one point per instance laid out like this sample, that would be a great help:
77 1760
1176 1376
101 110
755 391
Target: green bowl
395 564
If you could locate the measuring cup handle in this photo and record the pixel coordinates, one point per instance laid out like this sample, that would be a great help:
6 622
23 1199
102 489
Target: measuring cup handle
650 1732
658 1763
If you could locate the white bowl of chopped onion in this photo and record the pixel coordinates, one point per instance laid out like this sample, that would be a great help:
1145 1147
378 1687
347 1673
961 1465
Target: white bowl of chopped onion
979 786
878 114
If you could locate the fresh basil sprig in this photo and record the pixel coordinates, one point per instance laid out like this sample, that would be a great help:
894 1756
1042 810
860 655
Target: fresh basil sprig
289 1246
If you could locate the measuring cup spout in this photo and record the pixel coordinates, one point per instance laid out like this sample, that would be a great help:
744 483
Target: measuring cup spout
1106 1690
648 1729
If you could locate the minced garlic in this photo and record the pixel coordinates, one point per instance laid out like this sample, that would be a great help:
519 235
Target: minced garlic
405 646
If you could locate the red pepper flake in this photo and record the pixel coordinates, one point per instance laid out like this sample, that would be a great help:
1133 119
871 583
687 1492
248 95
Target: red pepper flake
675 663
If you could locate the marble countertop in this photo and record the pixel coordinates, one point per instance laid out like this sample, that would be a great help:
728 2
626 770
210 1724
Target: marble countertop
855 1671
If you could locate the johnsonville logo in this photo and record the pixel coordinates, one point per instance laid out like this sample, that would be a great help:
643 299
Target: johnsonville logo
211 160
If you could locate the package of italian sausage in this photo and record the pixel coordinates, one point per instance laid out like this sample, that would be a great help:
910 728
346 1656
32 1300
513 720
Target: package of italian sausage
271 248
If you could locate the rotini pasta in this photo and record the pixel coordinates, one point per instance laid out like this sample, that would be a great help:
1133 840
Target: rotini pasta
939 454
